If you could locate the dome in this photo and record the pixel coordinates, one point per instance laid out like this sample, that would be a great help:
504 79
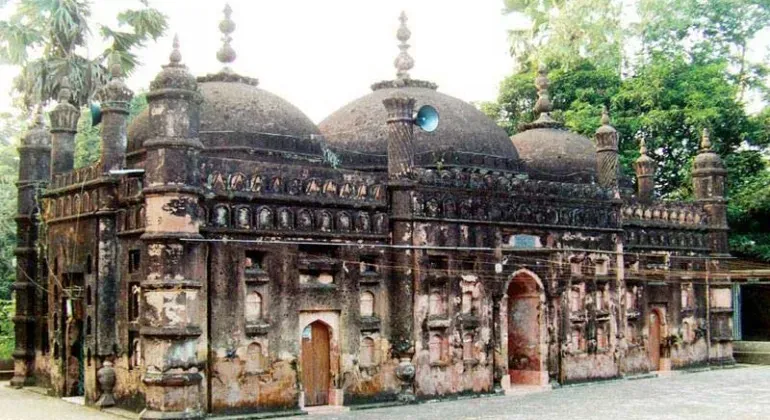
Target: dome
556 154
138 131
361 126
245 108
235 104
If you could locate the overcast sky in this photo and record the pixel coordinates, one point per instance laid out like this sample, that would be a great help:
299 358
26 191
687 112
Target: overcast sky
320 55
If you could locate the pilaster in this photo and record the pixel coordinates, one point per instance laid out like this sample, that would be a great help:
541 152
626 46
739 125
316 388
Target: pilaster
174 308
34 170
64 126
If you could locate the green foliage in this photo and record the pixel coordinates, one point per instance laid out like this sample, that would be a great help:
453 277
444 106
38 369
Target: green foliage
10 130
7 337
57 30
564 33
692 73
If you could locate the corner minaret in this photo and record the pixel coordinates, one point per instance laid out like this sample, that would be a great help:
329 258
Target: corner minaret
645 174
708 177
607 152
34 171
116 100
64 126
172 324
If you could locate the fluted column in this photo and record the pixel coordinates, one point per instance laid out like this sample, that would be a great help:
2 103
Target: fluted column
400 166
607 153
400 135
708 177
116 100
34 171
645 175
64 126
174 308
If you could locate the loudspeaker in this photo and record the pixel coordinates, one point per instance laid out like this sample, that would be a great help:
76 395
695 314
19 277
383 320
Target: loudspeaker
96 113
426 118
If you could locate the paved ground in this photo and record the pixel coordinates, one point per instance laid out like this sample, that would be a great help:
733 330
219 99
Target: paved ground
740 393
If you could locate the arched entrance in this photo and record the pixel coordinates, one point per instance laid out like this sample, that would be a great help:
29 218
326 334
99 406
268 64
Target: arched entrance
526 331
654 343
316 366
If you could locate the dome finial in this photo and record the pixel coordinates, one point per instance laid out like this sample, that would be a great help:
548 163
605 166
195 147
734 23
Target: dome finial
116 68
642 147
65 93
404 62
176 56
543 105
226 54
705 141
605 115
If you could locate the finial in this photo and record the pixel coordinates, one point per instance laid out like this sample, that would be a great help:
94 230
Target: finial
39 116
65 93
226 54
116 69
642 147
404 62
543 105
705 141
605 115
176 56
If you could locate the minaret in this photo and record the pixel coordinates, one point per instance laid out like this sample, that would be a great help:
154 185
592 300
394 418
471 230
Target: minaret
645 174
116 100
607 152
708 177
34 171
173 320
64 126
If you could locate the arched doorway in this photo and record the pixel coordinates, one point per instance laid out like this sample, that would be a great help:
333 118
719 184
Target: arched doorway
654 343
526 326
316 366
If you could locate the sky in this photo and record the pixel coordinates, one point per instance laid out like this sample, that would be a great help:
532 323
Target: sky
320 55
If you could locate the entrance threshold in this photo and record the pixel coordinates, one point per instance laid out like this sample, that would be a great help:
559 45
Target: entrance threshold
81 400
326 409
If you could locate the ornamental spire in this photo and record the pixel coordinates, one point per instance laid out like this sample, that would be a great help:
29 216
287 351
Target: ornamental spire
226 54
705 140
642 147
175 58
65 93
116 69
605 116
543 105
404 62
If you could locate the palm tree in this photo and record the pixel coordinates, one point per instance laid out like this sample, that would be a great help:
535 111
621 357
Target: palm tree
46 38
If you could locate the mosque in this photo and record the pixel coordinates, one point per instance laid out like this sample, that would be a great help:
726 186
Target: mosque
226 255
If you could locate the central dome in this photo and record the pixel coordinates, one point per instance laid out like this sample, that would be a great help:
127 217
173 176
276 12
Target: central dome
234 104
361 126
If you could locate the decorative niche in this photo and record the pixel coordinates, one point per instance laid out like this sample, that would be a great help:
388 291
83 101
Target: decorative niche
369 270
255 267
317 266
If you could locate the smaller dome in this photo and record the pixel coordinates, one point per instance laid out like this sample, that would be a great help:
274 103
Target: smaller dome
138 131
556 154
707 159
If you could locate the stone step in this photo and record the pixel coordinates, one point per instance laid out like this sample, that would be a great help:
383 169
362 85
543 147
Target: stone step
752 352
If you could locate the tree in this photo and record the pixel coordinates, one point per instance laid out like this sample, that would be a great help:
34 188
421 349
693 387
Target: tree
564 33
57 30
88 144
692 72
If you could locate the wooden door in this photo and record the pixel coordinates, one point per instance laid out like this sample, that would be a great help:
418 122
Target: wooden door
654 343
316 368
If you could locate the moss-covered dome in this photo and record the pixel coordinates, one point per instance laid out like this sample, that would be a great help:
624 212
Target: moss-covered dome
361 126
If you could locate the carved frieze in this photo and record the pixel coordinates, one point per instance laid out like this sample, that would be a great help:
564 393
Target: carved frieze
265 217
